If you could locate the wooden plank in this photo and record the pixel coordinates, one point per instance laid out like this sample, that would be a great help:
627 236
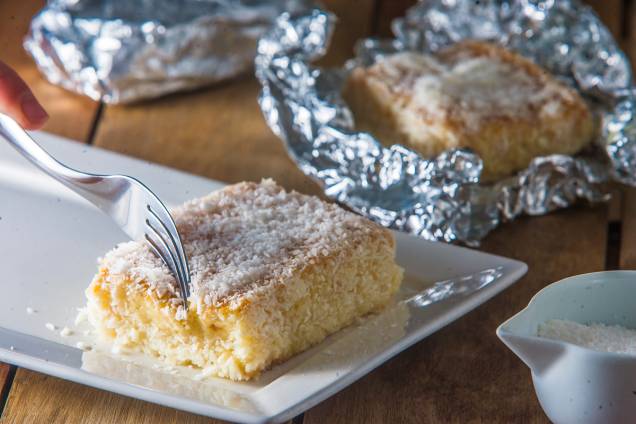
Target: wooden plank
71 115
628 233
464 373
5 384
4 373
354 22
386 11
38 398
611 13
615 205
217 132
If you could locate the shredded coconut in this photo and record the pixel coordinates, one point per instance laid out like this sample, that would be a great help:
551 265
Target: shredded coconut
472 85
601 337
181 313
241 238
66 332
205 373
50 326
30 310
117 350
83 346
82 315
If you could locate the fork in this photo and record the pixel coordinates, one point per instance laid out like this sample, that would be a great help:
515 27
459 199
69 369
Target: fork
136 209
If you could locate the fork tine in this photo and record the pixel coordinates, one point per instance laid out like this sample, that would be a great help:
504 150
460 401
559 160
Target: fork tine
164 217
166 258
161 249
160 231
182 263
163 235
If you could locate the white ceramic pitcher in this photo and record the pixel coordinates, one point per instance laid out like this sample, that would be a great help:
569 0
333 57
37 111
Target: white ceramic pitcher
575 384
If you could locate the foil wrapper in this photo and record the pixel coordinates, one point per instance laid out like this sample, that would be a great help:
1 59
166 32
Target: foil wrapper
124 51
442 198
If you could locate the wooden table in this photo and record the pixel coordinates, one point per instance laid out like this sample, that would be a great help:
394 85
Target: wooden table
460 374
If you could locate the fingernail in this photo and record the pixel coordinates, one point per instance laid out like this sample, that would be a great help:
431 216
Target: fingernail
33 110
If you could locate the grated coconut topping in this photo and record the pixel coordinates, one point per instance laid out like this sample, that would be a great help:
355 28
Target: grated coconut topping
472 83
243 237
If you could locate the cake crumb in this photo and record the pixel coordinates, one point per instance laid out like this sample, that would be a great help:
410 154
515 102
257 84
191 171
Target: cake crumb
30 310
205 373
84 346
50 326
117 350
596 336
66 332
81 316
181 314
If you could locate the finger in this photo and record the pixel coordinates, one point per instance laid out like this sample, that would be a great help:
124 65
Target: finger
17 100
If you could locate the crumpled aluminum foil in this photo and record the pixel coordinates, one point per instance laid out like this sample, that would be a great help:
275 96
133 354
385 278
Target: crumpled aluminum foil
441 198
124 51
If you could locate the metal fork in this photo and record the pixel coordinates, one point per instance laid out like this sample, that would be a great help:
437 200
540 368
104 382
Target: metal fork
136 209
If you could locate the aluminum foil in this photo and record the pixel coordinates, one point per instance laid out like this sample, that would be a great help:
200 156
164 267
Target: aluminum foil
442 198
123 51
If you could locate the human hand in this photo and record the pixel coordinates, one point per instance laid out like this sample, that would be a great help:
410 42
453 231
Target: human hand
17 100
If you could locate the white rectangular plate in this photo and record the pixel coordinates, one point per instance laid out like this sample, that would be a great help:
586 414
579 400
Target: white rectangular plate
50 239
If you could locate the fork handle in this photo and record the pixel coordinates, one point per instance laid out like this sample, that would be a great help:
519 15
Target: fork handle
18 138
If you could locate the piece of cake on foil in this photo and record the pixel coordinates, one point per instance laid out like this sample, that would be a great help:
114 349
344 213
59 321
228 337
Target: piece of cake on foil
473 95
273 273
